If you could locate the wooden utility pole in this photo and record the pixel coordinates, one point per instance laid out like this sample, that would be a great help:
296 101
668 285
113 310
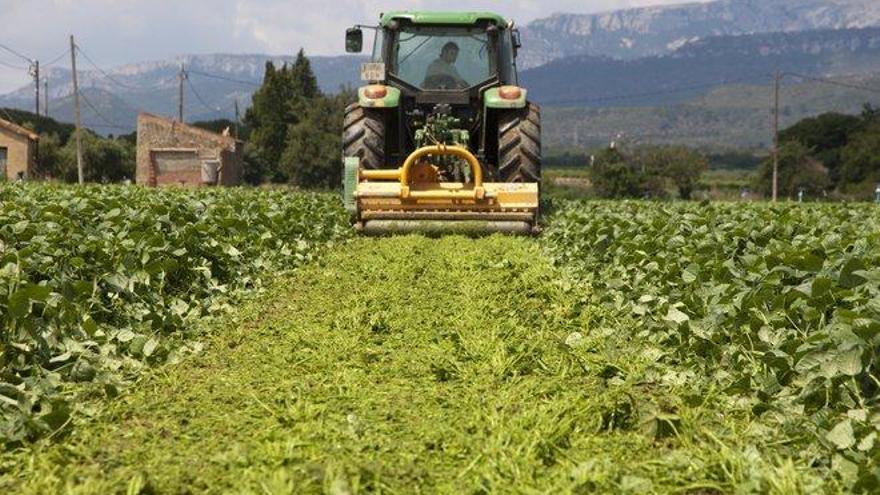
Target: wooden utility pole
237 118
37 86
46 96
777 80
79 153
180 78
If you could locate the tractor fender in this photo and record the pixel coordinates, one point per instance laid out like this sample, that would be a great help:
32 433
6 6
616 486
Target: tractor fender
390 100
491 99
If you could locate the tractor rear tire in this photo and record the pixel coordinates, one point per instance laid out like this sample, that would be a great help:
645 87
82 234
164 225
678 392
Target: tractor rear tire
519 145
363 136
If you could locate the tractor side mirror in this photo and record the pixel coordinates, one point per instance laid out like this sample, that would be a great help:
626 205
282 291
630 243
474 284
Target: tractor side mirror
354 40
517 40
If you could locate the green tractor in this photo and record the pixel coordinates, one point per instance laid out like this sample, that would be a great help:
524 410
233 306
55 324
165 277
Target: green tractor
442 138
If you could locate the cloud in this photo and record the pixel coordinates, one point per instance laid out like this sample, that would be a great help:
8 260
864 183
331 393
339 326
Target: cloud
124 31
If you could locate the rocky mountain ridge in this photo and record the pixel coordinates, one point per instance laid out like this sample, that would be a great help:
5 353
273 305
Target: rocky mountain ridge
659 30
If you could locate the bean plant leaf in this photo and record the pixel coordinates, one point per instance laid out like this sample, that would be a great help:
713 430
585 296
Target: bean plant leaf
676 316
842 435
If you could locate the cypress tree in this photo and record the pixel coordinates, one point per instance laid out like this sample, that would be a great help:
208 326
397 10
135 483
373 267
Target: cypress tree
268 118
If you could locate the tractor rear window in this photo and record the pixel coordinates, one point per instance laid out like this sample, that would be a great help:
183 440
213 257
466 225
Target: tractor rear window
443 58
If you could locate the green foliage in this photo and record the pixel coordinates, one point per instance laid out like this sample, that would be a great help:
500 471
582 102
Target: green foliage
40 125
96 282
268 118
613 176
824 135
717 347
254 170
797 170
279 121
104 160
773 309
49 160
681 165
734 160
566 159
860 168
312 157
846 145
647 172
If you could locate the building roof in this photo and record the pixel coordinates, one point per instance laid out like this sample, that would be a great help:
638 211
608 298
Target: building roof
221 139
17 129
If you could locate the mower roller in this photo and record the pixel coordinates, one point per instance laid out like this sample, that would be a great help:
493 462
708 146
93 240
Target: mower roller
441 140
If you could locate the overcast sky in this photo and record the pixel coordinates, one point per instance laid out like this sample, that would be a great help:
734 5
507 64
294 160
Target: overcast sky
116 32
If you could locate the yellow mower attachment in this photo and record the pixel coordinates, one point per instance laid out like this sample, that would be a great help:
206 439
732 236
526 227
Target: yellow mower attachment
411 199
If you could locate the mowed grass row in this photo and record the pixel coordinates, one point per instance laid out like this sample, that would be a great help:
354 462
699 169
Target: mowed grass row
412 365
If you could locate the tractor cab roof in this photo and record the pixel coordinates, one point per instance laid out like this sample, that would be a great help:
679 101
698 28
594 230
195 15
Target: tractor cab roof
453 18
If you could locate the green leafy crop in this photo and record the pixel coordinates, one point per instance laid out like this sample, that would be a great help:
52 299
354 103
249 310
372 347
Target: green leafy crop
778 307
96 282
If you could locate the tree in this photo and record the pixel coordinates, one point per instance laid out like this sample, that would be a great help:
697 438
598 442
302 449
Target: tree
313 157
860 167
797 170
281 102
303 79
106 160
254 170
49 159
268 118
825 136
613 176
678 164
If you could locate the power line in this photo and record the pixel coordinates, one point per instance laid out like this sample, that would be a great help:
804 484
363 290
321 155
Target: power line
19 55
834 83
100 115
102 71
14 67
224 78
199 97
58 58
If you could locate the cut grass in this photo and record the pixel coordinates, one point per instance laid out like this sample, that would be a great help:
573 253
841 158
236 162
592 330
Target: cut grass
410 365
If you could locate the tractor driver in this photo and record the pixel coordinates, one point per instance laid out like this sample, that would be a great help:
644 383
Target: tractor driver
442 74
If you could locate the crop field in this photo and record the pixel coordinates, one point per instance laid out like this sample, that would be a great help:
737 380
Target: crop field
243 341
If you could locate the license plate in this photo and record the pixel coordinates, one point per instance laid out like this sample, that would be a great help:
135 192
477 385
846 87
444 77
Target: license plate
373 72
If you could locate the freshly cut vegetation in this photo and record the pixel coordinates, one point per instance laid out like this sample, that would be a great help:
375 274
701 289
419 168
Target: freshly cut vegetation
636 347
774 311
97 282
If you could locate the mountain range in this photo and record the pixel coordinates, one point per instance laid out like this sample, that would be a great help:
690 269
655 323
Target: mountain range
698 67
649 31
641 57
215 82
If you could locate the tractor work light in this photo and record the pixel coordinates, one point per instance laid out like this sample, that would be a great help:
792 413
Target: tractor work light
376 92
510 92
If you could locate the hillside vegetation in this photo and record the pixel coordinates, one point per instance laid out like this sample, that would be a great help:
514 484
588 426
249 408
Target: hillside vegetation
731 117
